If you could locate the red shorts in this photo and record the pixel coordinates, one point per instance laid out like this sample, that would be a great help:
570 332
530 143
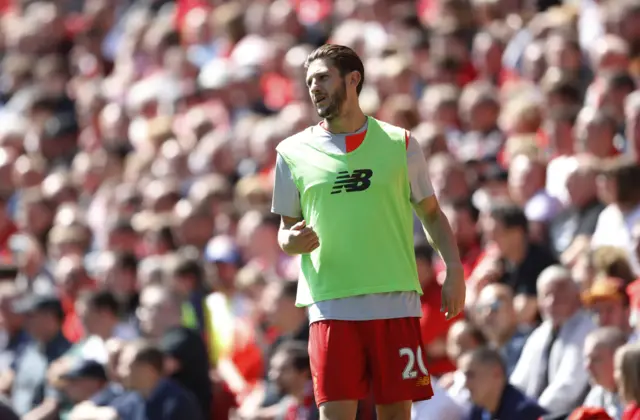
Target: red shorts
349 358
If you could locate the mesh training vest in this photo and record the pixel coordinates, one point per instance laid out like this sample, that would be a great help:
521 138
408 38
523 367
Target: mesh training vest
359 205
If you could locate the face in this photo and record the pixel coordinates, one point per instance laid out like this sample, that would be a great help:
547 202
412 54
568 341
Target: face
599 363
282 373
478 379
129 372
495 231
494 312
611 313
557 299
327 89
463 226
459 341
90 317
151 312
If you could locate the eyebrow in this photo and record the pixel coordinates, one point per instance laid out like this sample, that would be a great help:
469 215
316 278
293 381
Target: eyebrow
316 74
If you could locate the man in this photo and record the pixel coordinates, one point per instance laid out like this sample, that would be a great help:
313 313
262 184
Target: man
160 316
495 315
98 312
599 349
44 324
289 370
13 325
520 261
87 381
551 367
156 397
492 395
342 189
607 298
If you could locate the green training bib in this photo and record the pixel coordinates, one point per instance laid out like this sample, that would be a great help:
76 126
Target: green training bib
359 204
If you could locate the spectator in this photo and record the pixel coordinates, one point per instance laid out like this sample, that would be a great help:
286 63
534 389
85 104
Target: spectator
626 369
44 324
87 381
551 368
608 300
599 350
13 324
490 391
495 315
521 261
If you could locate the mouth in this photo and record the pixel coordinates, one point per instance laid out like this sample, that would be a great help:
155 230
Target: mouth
319 99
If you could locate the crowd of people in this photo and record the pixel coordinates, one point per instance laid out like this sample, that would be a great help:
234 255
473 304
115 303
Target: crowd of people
141 275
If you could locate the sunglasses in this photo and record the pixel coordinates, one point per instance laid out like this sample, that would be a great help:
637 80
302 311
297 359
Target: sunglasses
491 306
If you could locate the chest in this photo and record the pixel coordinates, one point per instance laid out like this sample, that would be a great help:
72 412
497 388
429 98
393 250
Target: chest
362 173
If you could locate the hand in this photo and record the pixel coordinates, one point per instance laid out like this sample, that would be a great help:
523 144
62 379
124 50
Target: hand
453 293
301 239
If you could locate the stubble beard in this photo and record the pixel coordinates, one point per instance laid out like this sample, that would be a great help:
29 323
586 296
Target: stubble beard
332 110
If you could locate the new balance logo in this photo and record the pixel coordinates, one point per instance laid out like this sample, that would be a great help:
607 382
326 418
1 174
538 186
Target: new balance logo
358 180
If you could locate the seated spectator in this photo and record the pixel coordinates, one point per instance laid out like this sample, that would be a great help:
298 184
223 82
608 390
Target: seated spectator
551 367
616 221
608 300
160 317
87 381
492 395
17 338
521 261
570 231
154 395
626 367
495 316
44 324
463 336
98 312
186 277
599 349
289 370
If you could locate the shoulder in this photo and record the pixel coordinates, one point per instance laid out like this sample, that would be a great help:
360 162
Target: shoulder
521 403
294 140
390 129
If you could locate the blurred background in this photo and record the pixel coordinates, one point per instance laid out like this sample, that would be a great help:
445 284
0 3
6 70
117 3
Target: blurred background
137 144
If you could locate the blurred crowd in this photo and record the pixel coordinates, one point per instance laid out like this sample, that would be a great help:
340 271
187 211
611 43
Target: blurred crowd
141 276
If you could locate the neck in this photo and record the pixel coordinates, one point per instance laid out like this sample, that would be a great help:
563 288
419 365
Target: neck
294 323
515 254
492 402
349 122
107 332
299 393
502 339
149 387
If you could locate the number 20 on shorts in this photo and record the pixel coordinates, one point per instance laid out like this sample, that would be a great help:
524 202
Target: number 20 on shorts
409 371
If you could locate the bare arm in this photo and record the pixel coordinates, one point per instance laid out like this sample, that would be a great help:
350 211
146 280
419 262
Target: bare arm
442 239
439 231
48 410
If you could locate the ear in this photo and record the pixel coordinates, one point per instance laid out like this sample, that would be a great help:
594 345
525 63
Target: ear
354 78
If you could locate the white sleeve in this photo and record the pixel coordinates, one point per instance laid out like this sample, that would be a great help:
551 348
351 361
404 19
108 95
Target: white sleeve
286 197
418 172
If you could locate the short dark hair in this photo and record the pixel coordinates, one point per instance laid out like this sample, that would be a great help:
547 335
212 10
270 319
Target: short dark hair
343 58
511 216
465 204
619 80
149 354
126 261
102 300
297 351
189 267
423 250
487 356
288 289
